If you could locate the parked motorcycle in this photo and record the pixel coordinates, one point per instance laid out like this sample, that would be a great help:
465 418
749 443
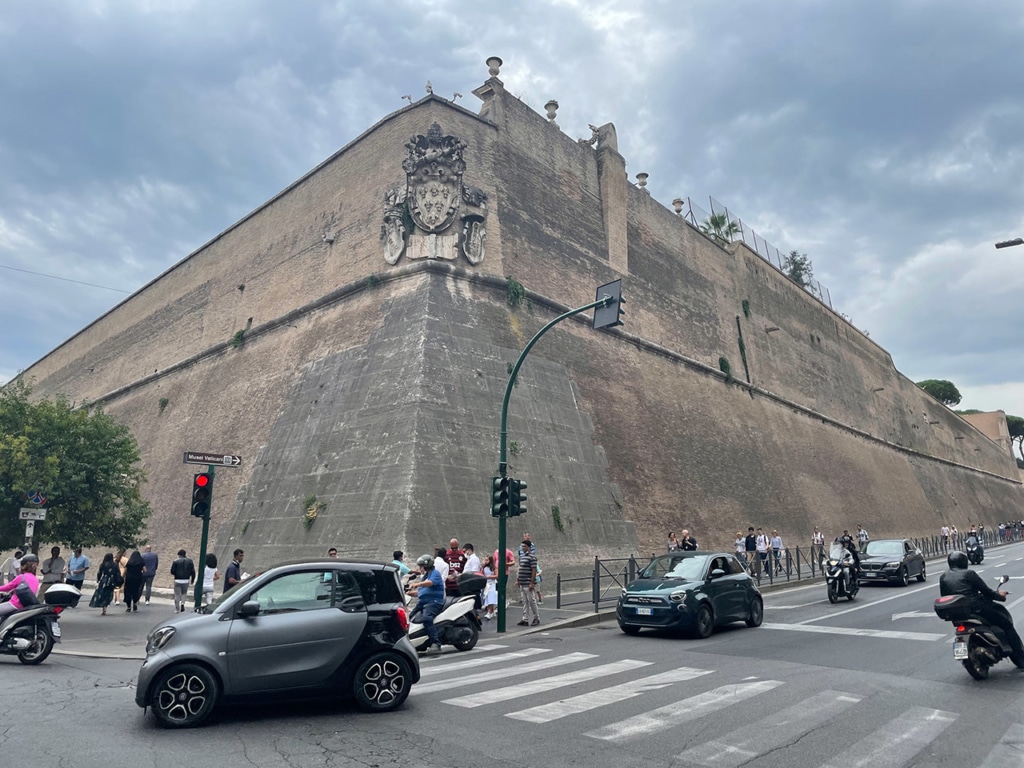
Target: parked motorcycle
975 550
31 632
457 624
839 578
977 644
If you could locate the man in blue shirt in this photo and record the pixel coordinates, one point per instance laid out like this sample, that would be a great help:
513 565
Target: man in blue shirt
77 566
403 569
430 592
150 561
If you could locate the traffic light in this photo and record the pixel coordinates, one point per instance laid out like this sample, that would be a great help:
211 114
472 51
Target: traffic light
611 313
202 492
517 499
499 496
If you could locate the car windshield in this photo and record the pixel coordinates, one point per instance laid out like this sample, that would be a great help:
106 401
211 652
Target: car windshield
669 567
885 548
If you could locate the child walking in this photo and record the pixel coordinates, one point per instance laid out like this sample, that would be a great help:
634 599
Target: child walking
491 590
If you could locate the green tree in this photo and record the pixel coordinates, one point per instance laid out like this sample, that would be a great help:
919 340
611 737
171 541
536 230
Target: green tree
81 460
943 391
1016 426
719 227
799 269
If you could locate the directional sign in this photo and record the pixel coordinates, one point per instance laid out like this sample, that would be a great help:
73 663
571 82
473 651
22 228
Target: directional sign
224 460
26 513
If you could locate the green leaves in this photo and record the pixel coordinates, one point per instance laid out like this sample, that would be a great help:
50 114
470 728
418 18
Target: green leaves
943 391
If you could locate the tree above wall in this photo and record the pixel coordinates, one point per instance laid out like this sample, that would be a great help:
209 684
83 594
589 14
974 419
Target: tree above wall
943 391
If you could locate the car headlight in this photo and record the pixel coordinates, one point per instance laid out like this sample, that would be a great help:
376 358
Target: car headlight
677 597
158 638
892 565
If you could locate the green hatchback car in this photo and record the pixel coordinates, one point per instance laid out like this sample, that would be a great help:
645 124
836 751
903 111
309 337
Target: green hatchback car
693 591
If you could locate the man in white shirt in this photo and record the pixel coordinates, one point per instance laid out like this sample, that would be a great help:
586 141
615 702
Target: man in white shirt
762 542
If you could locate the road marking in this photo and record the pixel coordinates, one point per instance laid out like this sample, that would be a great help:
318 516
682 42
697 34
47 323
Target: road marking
790 607
479 661
1009 751
682 711
896 742
531 687
778 729
498 674
889 634
861 607
914 615
613 695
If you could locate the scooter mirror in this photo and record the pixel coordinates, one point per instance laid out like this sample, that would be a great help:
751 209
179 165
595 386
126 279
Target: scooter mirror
1003 579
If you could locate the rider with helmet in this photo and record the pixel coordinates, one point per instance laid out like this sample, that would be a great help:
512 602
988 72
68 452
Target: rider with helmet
846 541
961 580
28 578
430 591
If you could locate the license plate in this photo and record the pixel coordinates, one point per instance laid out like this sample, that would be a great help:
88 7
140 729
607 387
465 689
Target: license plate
644 611
959 650
55 628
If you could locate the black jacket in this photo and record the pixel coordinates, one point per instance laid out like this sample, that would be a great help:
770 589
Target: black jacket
183 568
963 581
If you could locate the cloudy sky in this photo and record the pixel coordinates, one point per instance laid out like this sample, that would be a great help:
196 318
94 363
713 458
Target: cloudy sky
882 138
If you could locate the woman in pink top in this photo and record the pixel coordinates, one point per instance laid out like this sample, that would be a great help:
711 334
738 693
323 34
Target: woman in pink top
29 565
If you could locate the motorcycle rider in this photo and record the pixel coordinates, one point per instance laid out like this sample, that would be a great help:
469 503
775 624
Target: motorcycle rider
847 543
961 580
29 566
430 591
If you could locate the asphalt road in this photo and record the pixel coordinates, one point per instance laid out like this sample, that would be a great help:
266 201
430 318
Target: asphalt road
868 683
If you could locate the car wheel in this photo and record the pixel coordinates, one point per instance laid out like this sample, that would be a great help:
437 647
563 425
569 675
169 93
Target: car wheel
184 696
468 636
704 625
922 575
382 682
756 613
41 645
904 577
629 629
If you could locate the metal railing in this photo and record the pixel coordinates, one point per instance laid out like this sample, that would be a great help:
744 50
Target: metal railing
610 576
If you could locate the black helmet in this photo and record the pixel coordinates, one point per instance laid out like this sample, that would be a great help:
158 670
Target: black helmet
957 560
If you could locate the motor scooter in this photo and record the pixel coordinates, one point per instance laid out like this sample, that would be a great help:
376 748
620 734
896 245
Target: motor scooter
30 633
839 578
975 550
977 644
457 624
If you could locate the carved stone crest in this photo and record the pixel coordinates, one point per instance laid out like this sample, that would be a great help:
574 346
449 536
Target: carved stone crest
436 216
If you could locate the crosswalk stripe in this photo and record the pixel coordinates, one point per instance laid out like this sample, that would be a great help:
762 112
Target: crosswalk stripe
1009 752
479 661
782 727
585 702
889 634
531 687
683 711
497 674
896 742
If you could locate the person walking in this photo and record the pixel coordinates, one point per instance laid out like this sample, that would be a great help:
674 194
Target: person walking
763 543
777 547
740 546
107 577
491 590
233 575
151 561
862 539
750 545
210 575
817 546
527 581
133 579
121 560
183 571
397 561
455 559
78 564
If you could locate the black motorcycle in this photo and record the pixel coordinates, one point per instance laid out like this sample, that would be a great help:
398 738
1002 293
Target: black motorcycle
977 644
31 632
839 573
975 550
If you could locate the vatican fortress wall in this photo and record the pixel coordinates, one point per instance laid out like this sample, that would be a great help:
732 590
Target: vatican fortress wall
377 389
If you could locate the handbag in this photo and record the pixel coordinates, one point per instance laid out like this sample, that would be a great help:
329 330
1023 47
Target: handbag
117 580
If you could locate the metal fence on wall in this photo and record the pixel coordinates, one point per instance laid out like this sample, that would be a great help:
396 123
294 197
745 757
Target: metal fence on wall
720 224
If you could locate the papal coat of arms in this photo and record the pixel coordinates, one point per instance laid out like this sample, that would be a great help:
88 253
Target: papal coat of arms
436 216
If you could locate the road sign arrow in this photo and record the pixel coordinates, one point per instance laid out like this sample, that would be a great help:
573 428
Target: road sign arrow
912 615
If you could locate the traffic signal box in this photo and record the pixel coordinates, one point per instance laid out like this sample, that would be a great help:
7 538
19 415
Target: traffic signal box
611 313
202 493
499 496
517 499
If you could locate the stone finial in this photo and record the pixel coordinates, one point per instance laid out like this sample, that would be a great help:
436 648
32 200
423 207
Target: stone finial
430 88
551 108
494 66
677 204
641 181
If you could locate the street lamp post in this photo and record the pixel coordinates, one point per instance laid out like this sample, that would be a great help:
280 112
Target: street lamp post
1010 243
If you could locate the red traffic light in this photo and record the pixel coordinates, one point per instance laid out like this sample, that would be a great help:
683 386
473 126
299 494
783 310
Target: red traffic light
202 481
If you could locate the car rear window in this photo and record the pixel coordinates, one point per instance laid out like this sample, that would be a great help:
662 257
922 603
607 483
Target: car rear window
379 586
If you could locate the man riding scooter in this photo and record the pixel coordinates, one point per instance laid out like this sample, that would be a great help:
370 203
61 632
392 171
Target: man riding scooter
961 580
430 591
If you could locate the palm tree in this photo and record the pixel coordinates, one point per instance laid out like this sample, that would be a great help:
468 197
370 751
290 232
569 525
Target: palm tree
719 227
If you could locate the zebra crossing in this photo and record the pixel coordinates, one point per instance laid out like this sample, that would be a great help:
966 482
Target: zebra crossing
539 675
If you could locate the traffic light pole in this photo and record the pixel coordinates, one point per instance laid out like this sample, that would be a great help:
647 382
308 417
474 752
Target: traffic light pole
198 593
503 464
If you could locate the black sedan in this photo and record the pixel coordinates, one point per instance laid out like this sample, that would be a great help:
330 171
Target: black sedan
695 591
893 561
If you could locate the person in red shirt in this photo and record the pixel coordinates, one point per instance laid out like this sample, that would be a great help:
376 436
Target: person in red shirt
456 560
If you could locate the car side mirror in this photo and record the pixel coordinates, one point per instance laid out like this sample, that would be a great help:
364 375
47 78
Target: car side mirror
717 573
248 610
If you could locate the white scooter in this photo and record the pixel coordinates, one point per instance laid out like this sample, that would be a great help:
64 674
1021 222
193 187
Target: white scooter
457 624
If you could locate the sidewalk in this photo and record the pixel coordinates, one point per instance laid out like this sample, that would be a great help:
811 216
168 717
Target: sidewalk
120 635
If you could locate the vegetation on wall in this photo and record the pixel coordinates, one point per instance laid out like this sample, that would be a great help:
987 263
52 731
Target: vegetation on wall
799 269
311 509
162 403
556 518
746 308
724 367
516 292
719 228
238 339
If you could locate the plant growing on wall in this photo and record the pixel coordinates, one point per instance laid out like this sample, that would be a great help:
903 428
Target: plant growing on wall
162 403
372 281
311 509
746 308
799 269
513 448
556 518
724 367
238 339
516 292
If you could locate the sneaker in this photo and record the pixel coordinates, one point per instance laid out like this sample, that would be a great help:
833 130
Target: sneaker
535 623
523 623
147 602
433 650
540 601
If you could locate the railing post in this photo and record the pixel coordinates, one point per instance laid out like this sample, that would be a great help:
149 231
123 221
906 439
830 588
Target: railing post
597 583
558 590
